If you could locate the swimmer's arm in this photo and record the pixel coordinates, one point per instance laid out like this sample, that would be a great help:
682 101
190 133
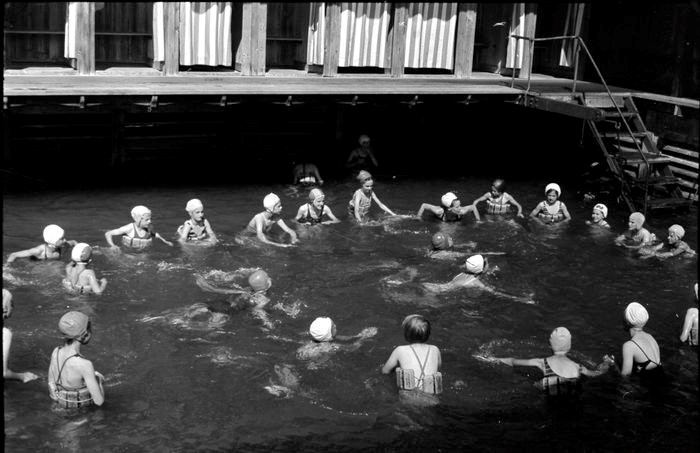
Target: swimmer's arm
329 213
351 158
210 231
382 205
91 382
301 212
567 216
117 231
184 231
290 231
536 211
512 201
97 287
371 156
259 232
537 363
356 205
493 290
317 175
484 197
466 209
439 358
206 286
437 210
690 316
602 367
7 373
627 358
34 251
392 363
158 236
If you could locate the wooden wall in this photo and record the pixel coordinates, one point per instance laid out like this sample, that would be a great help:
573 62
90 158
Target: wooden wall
287 26
34 34
124 33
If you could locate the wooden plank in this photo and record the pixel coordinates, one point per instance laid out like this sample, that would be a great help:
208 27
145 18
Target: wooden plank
530 25
564 108
171 24
678 150
682 102
244 55
331 51
258 39
466 31
398 42
85 38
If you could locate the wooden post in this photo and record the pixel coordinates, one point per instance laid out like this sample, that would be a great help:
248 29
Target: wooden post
530 24
246 34
171 25
85 38
398 42
331 40
258 39
464 48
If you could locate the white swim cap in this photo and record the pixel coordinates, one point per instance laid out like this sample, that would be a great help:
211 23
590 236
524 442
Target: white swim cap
560 339
81 253
315 194
322 329
602 208
270 201
638 217
475 264
139 211
194 204
679 230
447 199
362 139
553 186
53 234
636 315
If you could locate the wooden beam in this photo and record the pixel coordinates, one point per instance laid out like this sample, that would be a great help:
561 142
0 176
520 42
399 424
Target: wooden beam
331 40
171 25
85 38
398 42
244 57
258 39
466 30
530 25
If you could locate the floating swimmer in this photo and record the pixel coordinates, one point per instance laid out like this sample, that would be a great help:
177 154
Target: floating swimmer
73 381
362 158
79 279
552 209
54 240
598 216
325 341
263 221
689 332
413 373
7 373
498 201
561 374
306 174
313 212
197 228
476 266
137 235
677 246
637 237
451 210
442 244
361 201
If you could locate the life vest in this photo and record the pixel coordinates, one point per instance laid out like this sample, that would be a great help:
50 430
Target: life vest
67 397
547 215
365 203
553 384
196 233
138 242
406 380
500 207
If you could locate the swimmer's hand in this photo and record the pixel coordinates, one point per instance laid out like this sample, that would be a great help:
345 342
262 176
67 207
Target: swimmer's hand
115 248
609 359
368 332
100 377
520 214
27 376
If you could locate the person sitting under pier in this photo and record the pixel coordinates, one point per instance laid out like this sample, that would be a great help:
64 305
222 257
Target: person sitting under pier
262 222
7 373
552 209
307 174
498 201
79 279
362 158
451 210
689 332
54 241
637 236
197 228
137 235
598 216
314 212
677 247
361 201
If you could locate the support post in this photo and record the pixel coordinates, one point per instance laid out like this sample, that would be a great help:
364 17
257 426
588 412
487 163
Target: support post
171 24
258 39
530 25
85 38
331 49
466 30
398 42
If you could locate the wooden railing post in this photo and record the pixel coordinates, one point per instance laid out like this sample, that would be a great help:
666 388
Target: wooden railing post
253 43
171 25
466 30
85 38
530 25
398 41
331 40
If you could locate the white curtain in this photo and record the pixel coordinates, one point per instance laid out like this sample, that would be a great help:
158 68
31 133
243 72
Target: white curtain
363 34
516 47
317 29
158 32
205 33
69 43
572 26
430 35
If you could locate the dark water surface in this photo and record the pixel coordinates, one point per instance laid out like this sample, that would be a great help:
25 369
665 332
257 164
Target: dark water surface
174 384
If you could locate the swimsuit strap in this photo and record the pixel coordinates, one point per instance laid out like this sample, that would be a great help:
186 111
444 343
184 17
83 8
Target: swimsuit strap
643 352
60 370
422 365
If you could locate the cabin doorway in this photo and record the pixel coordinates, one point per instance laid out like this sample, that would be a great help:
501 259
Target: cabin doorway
287 29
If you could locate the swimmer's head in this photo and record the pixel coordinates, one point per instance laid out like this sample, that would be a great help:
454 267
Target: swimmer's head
138 212
81 253
636 221
475 264
193 205
675 233
498 187
441 241
363 176
602 209
448 199
363 139
552 191
560 340
416 329
271 201
322 329
636 315
75 325
7 305
259 281
53 235
316 195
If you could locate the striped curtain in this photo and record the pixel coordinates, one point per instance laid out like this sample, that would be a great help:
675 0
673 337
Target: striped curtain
516 47
317 29
363 34
430 35
69 43
205 33
572 26
158 32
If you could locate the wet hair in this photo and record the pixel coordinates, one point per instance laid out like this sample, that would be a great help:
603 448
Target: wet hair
416 329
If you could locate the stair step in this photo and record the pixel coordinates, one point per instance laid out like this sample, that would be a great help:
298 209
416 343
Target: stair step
623 134
614 114
658 181
603 101
659 203
633 157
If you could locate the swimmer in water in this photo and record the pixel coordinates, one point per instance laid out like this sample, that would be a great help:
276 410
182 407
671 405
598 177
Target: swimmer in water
79 279
73 381
137 235
498 201
677 246
598 216
442 245
313 212
325 340
476 267
197 228
361 200
451 210
689 332
262 222
561 374
637 237
640 354
7 373
552 209
362 158
307 174
54 241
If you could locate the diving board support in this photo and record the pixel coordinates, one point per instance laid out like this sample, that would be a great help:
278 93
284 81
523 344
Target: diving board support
563 108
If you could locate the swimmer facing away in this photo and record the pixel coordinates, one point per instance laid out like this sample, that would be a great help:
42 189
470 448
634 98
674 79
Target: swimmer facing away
306 174
498 201
552 209
197 228
78 278
137 235
598 216
73 381
54 240
361 201
262 222
442 246
677 247
316 211
7 373
640 354
451 210
689 332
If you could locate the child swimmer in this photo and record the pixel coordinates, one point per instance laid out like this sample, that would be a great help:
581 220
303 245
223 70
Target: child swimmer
262 222
498 201
361 201
552 209
197 228
313 212
137 235
325 339
598 216
678 247
451 211
54 240
79 279
637 237
7 373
